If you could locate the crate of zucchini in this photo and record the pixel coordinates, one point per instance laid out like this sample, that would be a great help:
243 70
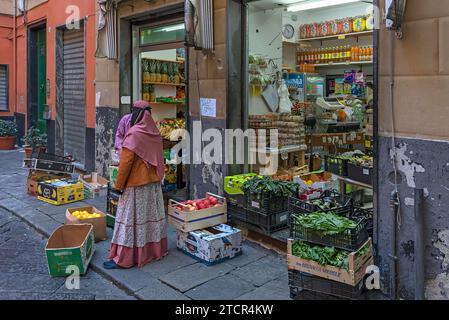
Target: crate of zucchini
267 204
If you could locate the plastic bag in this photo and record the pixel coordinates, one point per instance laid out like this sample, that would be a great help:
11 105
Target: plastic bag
285 105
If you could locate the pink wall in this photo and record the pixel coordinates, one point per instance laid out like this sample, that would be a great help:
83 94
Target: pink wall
53 12
6 56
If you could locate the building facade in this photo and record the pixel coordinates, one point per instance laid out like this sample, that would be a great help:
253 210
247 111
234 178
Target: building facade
85 95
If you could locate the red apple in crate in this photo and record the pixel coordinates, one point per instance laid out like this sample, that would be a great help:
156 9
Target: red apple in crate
206 203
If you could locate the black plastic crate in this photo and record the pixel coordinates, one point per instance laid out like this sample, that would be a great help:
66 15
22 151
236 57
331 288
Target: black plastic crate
336 165
360 174
112 202
350 240
49 162
266 203
299 206
267 223
238 200
297 279
304 295
38 153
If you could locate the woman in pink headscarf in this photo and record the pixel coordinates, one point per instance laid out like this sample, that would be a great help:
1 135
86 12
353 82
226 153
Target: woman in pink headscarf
140 233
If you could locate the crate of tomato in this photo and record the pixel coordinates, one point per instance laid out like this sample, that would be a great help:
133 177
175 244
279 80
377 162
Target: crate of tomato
198 214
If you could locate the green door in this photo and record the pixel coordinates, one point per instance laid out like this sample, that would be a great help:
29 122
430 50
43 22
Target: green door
41 80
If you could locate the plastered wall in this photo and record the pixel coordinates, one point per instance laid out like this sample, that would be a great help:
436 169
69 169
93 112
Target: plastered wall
419 64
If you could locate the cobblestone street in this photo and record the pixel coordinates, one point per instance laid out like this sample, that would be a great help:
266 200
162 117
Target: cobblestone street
257 274
24 273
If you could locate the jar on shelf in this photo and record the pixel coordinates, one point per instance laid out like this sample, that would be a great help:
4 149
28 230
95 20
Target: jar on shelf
359 24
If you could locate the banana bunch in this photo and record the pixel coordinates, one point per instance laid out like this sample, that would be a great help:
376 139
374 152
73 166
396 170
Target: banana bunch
170 129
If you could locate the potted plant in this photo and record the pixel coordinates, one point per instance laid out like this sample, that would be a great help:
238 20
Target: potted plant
34 139
8 132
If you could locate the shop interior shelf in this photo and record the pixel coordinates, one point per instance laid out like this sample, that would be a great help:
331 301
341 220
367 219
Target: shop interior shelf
286 149
165 83
339 64
340 36
353 182
165 60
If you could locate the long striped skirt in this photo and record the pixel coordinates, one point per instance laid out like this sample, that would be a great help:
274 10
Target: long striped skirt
140 233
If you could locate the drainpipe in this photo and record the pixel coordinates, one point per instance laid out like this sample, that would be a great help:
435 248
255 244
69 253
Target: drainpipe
419 244
14 61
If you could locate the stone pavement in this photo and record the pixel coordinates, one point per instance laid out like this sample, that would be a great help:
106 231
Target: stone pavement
257 274
24 271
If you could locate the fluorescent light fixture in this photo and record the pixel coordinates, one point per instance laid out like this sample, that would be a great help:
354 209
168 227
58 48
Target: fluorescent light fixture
317 4
173 28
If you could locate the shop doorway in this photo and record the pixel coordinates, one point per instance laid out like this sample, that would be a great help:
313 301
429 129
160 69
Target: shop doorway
37 77
320 58
74 114
159 77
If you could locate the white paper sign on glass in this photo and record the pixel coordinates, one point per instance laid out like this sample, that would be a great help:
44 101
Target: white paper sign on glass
208 107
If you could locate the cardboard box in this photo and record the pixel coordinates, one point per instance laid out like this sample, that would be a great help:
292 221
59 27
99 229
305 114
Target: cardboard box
95 186
113 173
70 245
99 224
211 246
34 177
187 221
330 181
60 191
353 276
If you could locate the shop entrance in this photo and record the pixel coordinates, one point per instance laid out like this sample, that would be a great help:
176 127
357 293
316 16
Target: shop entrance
159 77
37 70
309 75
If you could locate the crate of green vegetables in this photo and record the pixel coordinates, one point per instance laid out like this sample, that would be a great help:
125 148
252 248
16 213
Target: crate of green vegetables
308 282
269 196
329 201
329 229
330 263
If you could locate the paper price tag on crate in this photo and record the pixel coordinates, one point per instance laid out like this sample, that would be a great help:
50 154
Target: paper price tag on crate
366 172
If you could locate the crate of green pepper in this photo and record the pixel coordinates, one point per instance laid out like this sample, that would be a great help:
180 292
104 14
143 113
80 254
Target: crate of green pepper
329 229
329 201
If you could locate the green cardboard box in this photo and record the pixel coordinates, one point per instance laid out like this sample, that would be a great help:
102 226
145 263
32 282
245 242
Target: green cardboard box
113 173
70 245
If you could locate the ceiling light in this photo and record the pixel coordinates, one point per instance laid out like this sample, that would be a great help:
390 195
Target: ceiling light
318 4
173 28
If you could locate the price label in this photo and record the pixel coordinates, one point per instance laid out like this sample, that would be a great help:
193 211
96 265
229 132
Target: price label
255 204
283 218
366 172
341 37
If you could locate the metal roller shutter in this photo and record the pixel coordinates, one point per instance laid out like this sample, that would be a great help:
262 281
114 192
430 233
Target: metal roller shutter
74 97
3 88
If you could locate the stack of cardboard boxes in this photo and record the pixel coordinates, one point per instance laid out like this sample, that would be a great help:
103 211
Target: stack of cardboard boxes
203 233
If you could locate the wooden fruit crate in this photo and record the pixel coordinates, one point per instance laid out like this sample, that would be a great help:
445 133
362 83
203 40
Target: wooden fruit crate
187 221
353 276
